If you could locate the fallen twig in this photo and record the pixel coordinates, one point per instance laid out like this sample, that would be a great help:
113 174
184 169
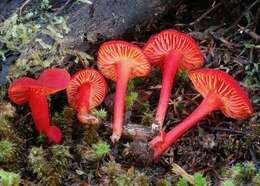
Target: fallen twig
241 16
252 34
228 44
134 131
205 14
225 130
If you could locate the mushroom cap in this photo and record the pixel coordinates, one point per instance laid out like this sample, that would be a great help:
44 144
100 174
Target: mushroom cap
161 44
235 103
50 81
98 87
113 52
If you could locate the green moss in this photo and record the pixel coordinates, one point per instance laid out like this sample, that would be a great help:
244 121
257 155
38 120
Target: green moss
38 162
6 129
130 99
60 157
7 150
163 182
141 180
242 174
112 169
256 179
122 181
227 183
101 114
9 178
21 34
48 172
113 174
182 182
200 180
16 32
65 121
90 136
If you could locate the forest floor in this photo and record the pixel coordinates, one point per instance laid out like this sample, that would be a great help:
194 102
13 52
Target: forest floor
218 149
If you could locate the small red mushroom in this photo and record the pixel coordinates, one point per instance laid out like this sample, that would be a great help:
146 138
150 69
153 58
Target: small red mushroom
220 92
86 90
171 51
35 92
121 61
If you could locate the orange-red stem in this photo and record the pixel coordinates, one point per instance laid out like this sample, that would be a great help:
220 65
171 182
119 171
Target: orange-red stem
84 104
170 68
40 113
123 71
210 103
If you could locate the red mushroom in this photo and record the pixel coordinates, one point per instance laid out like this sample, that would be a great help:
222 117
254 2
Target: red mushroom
220 92
86 90
121 61
171 51
35 92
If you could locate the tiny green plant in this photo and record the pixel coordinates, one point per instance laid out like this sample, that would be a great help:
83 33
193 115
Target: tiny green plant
182 182
44 4
130 99
9 178
6 150
182 75
197 179
252 77
241 174
100 114
41 138
100 149
227 183
249 45
200 180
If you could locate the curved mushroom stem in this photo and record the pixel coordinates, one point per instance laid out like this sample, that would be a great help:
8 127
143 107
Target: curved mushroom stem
210 103
119 103
84 105
169 70
39 107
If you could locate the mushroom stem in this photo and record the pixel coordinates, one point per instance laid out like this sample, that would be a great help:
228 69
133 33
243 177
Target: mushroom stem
169 70
119 104
210 103
84 105
39 107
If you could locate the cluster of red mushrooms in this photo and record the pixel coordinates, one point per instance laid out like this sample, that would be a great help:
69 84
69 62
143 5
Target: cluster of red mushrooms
121 61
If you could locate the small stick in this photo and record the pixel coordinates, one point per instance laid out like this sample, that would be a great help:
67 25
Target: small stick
252 34
205 14
240 17
23 5
224 130
133 131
